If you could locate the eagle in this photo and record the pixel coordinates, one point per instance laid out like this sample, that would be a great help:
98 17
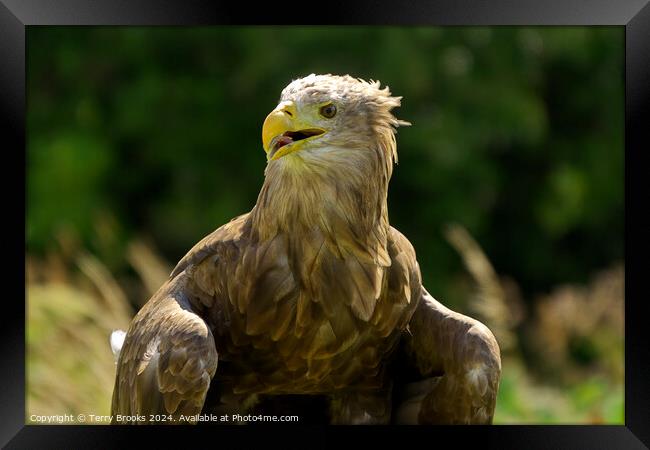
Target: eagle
311 301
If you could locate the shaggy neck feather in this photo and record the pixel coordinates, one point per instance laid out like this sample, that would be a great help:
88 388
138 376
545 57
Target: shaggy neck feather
324 190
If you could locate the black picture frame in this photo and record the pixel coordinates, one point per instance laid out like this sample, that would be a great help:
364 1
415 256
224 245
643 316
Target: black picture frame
634 15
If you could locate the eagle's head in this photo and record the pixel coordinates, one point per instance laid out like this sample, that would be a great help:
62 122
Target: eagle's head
323 117
330 146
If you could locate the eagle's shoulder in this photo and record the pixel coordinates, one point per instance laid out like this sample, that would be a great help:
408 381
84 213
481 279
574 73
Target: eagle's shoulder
404 265
397 242
228 235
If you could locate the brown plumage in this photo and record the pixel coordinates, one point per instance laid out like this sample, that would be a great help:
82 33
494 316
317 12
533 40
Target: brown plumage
312 293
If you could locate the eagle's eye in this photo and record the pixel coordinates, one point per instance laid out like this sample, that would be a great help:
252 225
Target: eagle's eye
328 111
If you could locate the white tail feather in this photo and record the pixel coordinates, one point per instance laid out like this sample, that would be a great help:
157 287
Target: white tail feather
117 340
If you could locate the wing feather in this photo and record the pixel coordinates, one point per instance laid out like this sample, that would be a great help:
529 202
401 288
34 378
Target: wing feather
169 355
167 361
466 353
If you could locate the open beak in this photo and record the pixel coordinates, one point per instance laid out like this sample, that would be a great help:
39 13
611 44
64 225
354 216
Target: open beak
284 132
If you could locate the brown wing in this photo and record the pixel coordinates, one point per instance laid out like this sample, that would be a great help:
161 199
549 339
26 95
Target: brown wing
461 356
169 357
166 363
457 357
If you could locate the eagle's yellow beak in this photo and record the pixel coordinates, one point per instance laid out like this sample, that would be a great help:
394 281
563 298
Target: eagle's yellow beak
285 132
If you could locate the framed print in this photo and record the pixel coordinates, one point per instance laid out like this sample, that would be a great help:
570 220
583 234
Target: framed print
419 218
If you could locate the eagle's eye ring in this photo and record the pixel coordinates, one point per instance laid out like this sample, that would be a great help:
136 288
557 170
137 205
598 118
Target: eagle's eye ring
328 111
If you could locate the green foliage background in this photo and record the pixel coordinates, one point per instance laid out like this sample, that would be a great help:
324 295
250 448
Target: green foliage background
517 135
